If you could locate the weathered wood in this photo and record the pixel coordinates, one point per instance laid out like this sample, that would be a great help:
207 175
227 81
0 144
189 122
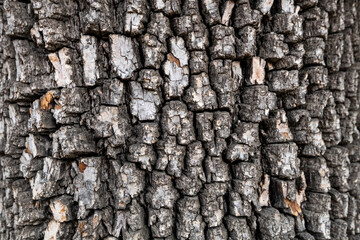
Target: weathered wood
169 119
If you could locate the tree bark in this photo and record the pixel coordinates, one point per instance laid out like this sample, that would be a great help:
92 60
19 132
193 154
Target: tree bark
169 119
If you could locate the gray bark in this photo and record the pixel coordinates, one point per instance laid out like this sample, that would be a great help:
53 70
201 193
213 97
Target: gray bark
169 119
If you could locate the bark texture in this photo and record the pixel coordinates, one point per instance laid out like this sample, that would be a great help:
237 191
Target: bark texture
169 119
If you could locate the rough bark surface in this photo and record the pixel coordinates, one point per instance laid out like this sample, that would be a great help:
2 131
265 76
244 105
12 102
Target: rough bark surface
169 119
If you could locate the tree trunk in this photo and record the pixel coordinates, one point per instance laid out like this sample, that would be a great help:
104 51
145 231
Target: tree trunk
169 119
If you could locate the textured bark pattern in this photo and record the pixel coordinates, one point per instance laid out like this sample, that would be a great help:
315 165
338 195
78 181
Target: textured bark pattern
169 119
